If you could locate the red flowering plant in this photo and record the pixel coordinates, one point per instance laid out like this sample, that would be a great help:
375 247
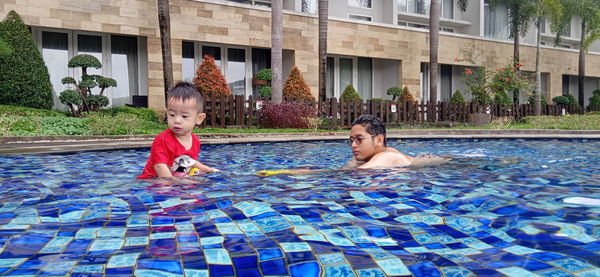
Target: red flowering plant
475 77
508 79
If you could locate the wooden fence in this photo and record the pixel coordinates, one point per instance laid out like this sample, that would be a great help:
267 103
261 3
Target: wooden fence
244 112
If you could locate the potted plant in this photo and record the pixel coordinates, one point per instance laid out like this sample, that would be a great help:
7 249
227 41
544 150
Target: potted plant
262 77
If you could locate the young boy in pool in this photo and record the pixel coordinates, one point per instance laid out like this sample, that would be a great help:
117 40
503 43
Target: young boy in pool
175 151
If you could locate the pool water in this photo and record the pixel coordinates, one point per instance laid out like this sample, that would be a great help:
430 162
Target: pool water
501 207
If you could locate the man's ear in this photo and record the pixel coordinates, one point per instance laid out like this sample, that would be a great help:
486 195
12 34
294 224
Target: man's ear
380 139
200 118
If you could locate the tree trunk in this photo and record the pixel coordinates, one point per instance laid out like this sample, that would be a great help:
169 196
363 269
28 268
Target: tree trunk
323 16
516 57
581 74
434 30
276 51
538 74
164 23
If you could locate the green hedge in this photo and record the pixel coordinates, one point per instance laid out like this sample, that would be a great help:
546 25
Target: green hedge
24 111
568 122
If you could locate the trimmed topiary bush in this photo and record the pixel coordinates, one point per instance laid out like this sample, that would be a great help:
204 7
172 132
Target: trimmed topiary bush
210 80
502 98
24 78
4 48
350 95
595 100
394 92
457 98
561 100
296 88
531 100
406 96
82 99
286 115
572 101
264 91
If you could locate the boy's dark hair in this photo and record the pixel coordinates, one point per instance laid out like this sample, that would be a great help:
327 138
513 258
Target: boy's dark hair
373 124
186 91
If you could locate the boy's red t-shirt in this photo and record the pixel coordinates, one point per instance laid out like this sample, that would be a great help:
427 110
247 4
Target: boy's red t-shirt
165 149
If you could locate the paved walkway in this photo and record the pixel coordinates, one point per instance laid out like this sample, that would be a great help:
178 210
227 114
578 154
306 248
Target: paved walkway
65 144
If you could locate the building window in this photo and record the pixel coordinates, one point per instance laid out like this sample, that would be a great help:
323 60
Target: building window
188 68
55 51
365 77
359 17
214 52
447 9
309 6
346 73
90 45
124 68
236 70
567 30
495 21
422 7
360 3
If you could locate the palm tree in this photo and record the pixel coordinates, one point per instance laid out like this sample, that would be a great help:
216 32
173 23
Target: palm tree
164 24
276 51
520 15
434 28
589 13
544 9
323 15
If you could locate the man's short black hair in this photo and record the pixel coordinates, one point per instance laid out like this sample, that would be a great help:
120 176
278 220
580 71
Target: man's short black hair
372 124
186 91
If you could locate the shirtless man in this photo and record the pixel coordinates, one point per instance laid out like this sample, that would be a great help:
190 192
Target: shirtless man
369 147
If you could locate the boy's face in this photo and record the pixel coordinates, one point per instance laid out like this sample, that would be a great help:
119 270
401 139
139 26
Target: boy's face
364 145
183 116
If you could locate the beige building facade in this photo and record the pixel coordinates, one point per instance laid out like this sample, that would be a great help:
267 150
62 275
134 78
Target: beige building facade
373 48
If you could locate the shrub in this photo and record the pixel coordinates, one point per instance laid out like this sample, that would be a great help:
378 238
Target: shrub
595 100
394 92
4 48
50 126
120 124
141 113
406 96
457 98
264 74
24 78
378 100
286 115
350 94
296 88
572 101
210 80
502 98
531 100
82 99
561 100
264 91
24 111
569 122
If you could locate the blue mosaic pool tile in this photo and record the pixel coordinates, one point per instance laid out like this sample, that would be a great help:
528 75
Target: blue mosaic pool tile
169 266
119 271
305 269
245 262
393 266
220 270
338 270
248 273
532 265
274 267
217 256
270 253
424 269
571 264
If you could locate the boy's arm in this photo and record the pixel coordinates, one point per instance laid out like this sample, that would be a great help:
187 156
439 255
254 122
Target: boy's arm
204 168
162 170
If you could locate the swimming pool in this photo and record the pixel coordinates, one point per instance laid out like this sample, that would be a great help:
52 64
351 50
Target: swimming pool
500 208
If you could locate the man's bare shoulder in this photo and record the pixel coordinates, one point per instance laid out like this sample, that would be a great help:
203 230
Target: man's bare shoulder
388 158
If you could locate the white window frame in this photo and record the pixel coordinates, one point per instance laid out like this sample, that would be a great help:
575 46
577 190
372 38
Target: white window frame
360 15
350 3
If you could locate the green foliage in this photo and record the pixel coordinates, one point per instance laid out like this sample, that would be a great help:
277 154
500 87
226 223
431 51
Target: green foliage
502 98
104 82
264 91
264 74
378 100
97 101
141 113
457 98
24 78
350 95
70 97
43 126
24 111
84 61
595 100
5 49
120 124
406 96
568 122
561 100
508 79
572 101
531 100
476 80
394 92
